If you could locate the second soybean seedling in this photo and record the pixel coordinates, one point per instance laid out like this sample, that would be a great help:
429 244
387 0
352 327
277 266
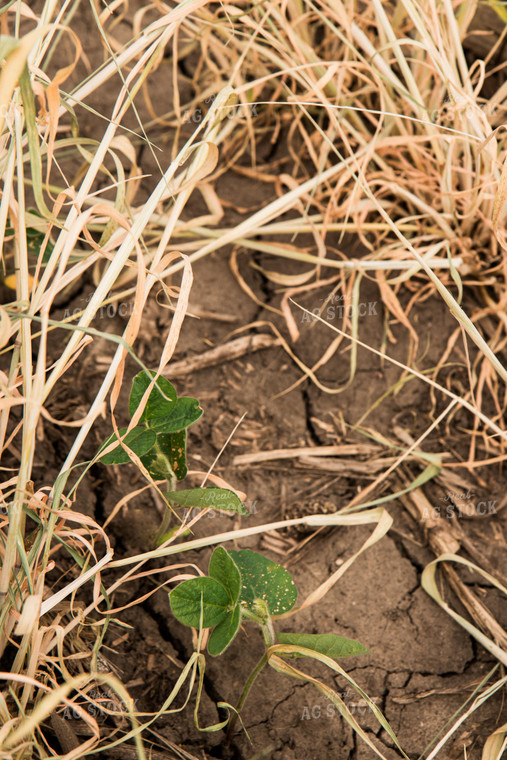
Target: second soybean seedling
160 442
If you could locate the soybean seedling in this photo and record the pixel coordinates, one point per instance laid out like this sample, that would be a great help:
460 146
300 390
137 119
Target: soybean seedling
160 442
246 586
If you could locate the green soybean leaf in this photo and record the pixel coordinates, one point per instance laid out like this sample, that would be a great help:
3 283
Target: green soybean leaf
225 632
161 400
224 570
187 599
263 579
139 440
213 498
324 643
186 411
168 457
175 446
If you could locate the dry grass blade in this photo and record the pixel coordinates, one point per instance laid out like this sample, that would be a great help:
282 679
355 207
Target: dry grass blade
313 451
496 744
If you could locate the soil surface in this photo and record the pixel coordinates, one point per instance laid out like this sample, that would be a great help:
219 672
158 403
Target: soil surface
421 666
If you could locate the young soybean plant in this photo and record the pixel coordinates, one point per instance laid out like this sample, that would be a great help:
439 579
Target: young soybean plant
244 585
160 442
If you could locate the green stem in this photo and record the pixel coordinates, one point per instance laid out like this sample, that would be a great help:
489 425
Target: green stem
269 633
253 675
164 526
163 463
259 613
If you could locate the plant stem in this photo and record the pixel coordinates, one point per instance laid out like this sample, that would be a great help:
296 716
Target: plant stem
166 520
251 678
163 463
164 526
260 615
269 633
